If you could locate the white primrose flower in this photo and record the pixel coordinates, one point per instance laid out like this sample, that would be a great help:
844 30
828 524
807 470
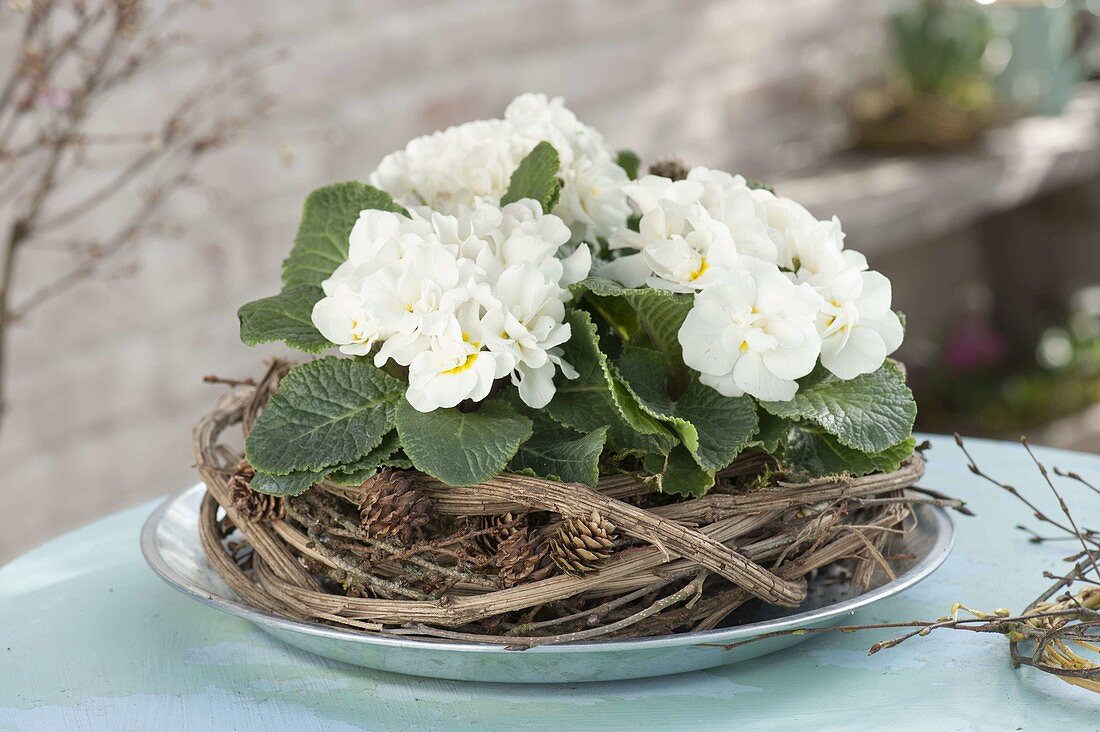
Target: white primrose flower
681 246
753 333
415 301
690 232
730 201
788 225
452 168
860 332
519 233
857 325
460 300
858 328
381 238
343 319
454 366
528 328
592 201
803 243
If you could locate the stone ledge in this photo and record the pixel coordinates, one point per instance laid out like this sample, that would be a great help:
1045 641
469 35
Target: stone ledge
888 201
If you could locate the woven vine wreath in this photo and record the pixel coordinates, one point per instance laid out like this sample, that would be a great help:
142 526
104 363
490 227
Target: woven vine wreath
571 401
528 561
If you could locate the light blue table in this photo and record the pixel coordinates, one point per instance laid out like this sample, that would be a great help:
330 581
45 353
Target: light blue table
91 639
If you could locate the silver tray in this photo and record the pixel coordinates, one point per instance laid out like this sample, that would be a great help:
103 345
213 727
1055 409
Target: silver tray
170 543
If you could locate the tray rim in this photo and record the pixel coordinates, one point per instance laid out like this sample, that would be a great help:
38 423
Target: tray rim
943 543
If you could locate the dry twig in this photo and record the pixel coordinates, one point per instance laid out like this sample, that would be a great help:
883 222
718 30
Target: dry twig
57 170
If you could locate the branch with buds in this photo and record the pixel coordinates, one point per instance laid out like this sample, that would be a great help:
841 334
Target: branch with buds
1058 632
58 172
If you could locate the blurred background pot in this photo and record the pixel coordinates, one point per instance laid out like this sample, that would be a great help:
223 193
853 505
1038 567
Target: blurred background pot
1039 46
940 96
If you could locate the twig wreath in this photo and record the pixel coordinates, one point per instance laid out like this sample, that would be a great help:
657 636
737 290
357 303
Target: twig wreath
572 402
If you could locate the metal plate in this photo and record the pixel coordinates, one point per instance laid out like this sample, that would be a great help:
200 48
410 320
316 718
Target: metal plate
170 543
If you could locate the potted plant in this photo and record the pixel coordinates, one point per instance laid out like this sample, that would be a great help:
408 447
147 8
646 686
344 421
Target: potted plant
939 95
570 402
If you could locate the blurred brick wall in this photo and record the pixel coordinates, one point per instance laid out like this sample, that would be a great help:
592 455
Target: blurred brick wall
107 380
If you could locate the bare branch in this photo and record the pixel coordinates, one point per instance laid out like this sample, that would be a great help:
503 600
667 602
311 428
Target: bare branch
70 59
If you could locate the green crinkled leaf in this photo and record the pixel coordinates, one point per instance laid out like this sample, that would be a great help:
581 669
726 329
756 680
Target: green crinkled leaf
659 313
630 410
358 472
353 474
559 453
595 399
328 216
678 473
629 161
462 448
815 454
398 461
725 425
772 434
292 484
536 177
614 312
712 427
285 317
328 412
598 286
868 413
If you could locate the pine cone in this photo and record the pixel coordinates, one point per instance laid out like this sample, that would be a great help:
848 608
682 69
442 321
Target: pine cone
502 527
393 507
250 504
582 546
524 557
672 168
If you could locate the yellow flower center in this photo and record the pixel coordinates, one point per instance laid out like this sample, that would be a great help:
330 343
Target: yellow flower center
703 267
464 365
357 335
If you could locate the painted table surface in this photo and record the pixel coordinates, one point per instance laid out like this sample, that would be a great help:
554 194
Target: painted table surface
91 639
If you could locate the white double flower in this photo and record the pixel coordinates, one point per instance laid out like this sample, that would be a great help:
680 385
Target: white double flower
465 292
712 234
754 333
690 232
452 168
459 300
857 325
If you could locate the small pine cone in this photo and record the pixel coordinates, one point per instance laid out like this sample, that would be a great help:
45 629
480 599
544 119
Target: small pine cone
582 546
524 557
672 168
502 527
393 507
250 504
